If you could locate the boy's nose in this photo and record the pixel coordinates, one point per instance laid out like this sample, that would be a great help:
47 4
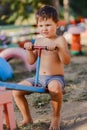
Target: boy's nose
44 28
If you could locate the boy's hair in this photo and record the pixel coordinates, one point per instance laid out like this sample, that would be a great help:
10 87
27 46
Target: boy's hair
47 12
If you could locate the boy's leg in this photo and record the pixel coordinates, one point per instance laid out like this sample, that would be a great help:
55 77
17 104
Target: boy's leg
19 97
55 90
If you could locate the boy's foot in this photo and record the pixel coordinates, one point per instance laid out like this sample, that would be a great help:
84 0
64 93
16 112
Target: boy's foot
54 129
24 123
55 124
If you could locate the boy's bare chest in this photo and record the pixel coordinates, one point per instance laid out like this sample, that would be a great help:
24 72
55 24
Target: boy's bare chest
49 55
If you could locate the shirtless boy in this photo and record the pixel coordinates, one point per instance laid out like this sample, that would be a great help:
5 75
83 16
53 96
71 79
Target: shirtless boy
51 67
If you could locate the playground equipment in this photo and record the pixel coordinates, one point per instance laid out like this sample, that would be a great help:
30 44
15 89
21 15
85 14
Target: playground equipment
6 97
76 47
34 88
17 52
5 42
6 71
15 86
6 103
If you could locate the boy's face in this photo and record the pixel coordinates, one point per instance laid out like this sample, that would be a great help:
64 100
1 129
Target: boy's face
47 27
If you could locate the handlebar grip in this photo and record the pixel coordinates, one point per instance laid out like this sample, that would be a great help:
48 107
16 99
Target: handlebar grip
40 47
46 48
32 48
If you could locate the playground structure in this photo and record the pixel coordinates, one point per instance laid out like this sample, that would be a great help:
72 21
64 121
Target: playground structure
76 47
6 96
34 88
73 34
17 52
6 104
6 71
4 40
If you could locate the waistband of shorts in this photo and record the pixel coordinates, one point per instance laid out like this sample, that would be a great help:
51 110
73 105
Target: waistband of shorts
51 75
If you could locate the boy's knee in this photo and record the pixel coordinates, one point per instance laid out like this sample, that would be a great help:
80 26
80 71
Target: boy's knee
55 87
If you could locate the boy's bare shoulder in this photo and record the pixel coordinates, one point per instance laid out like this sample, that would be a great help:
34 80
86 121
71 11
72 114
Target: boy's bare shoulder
61 39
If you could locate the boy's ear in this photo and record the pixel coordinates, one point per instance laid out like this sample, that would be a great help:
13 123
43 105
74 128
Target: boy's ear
57 24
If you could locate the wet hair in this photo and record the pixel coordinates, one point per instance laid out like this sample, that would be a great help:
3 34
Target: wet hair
47 12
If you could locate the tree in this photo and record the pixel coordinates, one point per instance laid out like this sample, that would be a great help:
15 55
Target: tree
66 10
11 10
56 4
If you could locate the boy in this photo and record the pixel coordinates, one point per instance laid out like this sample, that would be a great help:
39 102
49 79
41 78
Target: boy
51 68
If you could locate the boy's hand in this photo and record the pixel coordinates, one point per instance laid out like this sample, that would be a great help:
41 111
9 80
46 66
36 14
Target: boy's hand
28 46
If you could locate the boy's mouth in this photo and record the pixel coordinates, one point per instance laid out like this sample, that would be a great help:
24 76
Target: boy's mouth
45 33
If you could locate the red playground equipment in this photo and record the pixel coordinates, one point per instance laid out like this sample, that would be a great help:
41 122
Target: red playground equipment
6 104
76 47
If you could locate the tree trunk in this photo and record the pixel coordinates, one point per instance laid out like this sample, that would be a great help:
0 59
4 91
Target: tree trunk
66 10
56 4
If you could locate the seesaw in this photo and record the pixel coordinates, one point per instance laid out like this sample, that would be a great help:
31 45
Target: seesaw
35 88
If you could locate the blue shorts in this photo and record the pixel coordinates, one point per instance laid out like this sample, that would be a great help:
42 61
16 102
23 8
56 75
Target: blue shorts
44 80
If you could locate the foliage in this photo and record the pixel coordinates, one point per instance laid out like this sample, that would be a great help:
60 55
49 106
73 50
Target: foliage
71 12
10 11
79 7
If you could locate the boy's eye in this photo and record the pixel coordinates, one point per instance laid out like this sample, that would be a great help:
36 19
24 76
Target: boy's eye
48 25
40 25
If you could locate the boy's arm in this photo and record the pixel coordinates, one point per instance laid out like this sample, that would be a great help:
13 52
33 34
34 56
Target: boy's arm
31 56
63 50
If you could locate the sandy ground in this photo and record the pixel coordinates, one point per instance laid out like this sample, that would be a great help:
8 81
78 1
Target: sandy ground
74 109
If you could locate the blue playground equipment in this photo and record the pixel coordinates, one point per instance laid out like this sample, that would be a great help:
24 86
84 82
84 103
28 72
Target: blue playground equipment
6 71
35 88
